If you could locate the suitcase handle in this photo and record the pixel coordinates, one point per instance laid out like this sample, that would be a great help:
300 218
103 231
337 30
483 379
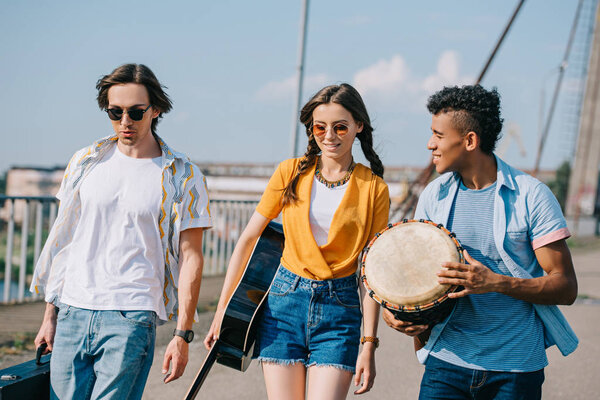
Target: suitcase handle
38 354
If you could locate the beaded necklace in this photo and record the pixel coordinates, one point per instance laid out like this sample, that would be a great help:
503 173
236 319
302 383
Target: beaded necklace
337 183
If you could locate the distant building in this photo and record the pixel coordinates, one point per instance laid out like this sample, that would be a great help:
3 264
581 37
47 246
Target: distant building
227 181
233 181
236 181
30 181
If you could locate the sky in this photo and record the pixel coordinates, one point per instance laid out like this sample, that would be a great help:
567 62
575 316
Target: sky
230 69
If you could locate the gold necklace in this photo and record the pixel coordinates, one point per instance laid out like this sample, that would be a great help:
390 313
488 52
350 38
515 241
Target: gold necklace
337 183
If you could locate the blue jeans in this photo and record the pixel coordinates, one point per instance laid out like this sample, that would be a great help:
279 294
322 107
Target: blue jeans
443 380
101 354
310 322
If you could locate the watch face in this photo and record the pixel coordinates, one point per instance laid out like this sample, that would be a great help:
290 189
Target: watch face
189 336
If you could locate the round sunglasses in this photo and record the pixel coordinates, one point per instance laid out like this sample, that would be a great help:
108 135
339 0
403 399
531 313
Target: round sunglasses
319 130
116 114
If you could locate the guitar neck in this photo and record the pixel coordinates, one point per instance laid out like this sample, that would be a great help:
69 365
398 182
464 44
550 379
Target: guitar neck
210 359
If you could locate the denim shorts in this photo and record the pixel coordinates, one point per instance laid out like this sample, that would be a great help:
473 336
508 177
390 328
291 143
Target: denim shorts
310 322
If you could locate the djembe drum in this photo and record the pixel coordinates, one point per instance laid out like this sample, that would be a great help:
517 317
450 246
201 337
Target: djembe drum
399 267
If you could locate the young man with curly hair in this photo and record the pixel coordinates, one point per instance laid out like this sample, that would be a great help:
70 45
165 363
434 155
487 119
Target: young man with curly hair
518 266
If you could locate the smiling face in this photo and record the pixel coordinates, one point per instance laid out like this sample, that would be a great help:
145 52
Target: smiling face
448 146
131 96
333 117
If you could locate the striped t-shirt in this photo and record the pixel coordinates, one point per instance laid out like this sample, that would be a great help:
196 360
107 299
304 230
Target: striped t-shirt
489 331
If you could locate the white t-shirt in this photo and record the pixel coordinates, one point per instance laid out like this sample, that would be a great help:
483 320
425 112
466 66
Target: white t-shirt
324 202
115 258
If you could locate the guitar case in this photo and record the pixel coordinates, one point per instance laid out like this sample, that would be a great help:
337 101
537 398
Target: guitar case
27 381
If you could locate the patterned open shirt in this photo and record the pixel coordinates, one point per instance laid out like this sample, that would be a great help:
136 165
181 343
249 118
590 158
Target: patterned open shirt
184 205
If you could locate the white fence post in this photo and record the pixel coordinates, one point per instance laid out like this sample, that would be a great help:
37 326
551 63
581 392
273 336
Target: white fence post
24 240
9 248
37 246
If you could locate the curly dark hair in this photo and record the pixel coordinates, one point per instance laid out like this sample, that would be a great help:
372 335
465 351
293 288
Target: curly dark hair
475 109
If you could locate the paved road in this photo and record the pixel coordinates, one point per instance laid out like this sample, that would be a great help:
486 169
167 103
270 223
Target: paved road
398 372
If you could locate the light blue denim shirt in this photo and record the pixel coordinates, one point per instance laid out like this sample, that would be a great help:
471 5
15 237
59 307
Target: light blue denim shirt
526 216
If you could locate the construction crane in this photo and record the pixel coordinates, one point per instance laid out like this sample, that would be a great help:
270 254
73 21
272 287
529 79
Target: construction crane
406 208
513 132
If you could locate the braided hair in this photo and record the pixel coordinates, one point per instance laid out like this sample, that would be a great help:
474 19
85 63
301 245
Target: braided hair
349 98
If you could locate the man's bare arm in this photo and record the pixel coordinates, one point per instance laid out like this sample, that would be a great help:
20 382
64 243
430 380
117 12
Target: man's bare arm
190 279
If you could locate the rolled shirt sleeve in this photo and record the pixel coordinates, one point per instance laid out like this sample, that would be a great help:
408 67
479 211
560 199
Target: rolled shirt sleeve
195 211
547 221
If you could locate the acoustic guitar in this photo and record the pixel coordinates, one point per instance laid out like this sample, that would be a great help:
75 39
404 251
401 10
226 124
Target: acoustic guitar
238 329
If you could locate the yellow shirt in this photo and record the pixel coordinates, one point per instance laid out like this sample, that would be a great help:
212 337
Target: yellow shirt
362 212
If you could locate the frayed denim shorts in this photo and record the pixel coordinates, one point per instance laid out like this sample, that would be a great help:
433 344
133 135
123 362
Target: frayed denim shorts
310 322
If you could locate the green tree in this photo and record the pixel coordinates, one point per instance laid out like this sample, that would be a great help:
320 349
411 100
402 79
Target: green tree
560 184
3 184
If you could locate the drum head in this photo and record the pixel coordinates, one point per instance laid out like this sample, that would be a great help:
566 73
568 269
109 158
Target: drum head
400 265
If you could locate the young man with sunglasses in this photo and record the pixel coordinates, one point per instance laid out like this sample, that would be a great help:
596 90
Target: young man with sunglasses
125 250
518 266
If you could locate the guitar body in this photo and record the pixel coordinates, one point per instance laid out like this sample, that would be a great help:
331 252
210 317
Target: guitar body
238 329
240 321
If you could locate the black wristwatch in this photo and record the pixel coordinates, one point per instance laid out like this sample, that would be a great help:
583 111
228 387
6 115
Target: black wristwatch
188 336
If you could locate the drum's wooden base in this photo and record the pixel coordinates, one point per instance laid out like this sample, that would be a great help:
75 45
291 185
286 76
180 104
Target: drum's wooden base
430 316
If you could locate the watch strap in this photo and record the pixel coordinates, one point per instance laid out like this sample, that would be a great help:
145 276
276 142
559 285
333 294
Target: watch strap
188 335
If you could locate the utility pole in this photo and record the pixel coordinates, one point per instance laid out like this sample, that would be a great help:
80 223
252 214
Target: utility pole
562 67
407 207
300 79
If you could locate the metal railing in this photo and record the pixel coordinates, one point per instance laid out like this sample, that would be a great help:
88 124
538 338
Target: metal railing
19 255
20 245
229 220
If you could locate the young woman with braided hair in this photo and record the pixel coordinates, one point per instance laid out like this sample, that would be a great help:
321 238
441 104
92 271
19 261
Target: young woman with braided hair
332 206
